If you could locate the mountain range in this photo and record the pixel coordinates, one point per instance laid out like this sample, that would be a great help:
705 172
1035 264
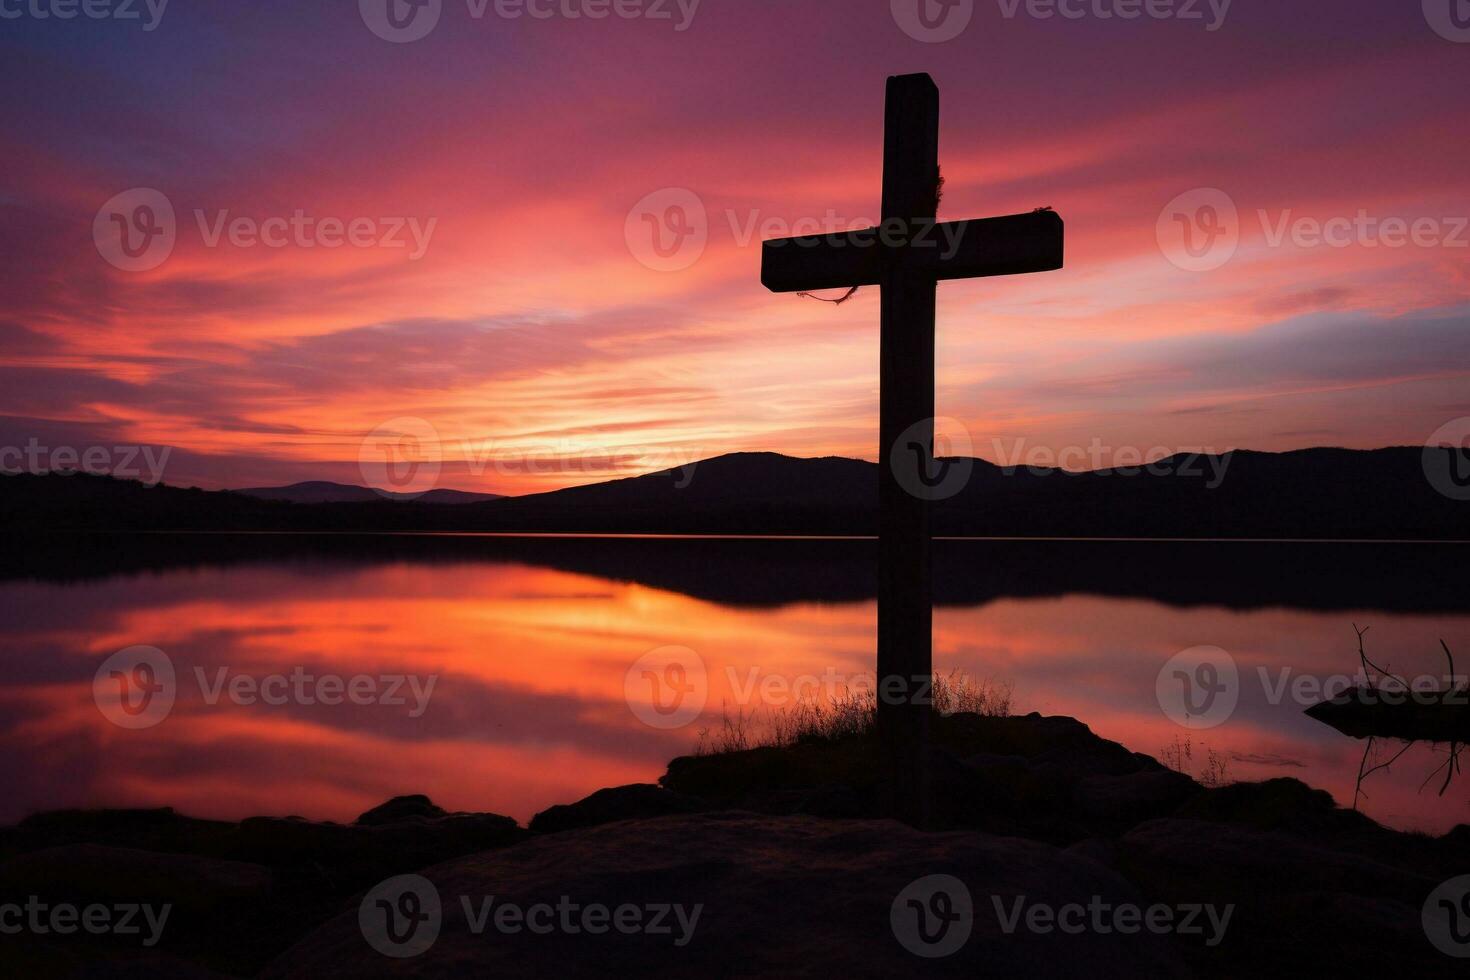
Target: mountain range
1311 493
323 492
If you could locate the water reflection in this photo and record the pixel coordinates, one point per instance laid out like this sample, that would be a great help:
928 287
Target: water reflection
528 647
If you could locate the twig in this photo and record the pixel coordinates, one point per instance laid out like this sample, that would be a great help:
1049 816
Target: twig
1366 663
1451 767
1364 775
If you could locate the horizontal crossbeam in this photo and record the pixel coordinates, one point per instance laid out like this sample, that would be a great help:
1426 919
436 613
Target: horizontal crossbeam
1009 245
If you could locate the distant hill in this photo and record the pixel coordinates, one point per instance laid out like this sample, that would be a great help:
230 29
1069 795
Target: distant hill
323 492
1312 493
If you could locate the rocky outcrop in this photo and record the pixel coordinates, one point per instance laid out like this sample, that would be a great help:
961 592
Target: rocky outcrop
773 896
238 893
782 851
1044 778
637 801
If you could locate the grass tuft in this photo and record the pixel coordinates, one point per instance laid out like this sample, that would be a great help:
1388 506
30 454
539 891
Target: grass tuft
846 714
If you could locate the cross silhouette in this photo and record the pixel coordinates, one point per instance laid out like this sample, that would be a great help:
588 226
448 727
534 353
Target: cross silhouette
906 256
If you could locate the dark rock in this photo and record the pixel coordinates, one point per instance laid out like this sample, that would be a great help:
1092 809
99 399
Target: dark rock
1222 859
159 829
1063 742
1301 909
96 872
399 809
1458 836
27 956
241 892
1129 799
835 803
289 842
634 802
1276 804
779 896
1096 849
1020 776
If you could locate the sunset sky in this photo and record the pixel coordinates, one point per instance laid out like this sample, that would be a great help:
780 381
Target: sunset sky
535 339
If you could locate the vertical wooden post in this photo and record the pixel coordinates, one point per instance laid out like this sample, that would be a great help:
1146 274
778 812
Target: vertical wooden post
906 415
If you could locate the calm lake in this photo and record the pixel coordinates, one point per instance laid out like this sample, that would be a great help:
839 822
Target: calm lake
321 675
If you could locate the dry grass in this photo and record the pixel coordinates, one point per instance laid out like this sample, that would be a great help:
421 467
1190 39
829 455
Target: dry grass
844 715
1214 769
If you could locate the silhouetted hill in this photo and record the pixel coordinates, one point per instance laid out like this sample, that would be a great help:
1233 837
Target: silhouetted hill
740 493
1314 493
324 492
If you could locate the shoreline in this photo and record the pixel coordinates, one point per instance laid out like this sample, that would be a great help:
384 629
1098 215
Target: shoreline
1042 798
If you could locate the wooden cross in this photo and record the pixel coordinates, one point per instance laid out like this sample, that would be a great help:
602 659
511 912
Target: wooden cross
905 257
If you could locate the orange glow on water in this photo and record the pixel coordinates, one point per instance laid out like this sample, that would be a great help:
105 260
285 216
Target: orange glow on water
528 663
